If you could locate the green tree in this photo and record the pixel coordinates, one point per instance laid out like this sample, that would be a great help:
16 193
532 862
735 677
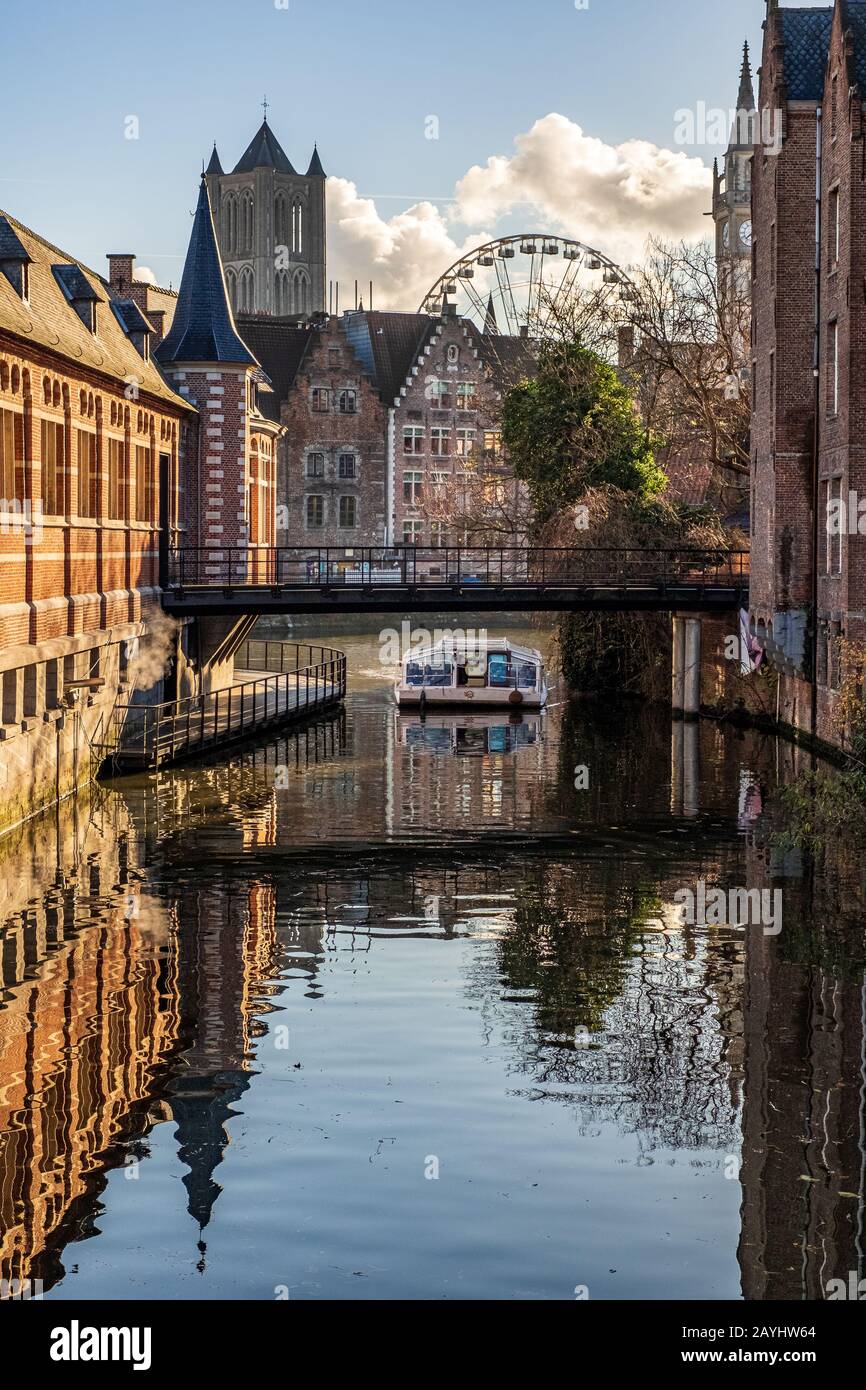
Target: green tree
575 427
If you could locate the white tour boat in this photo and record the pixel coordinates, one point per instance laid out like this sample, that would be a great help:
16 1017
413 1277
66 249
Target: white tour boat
495 673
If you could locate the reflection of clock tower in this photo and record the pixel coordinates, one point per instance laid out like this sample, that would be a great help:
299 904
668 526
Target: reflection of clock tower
732 191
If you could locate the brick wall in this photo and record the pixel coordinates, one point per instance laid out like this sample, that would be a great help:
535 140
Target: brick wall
332 454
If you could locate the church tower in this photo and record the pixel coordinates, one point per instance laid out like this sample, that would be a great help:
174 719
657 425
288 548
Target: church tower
271 224
732 190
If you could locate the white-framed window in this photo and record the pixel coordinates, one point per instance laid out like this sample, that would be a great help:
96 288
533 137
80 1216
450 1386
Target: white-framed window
321 399
465 443
347 402
315 512
466 395
439 394
493 444
412 532
412 484
315 465
413 439
440 441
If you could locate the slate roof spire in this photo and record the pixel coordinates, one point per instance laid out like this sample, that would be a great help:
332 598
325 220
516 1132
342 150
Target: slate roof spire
315 170
491 325
214 167
203 328
264 152
746 98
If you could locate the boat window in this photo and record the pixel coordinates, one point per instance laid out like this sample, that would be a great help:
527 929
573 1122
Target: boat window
497 669
526 676
414 674
437 675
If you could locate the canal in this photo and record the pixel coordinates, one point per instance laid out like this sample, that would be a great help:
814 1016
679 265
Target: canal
384 1008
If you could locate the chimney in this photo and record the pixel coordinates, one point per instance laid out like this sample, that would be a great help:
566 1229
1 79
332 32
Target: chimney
120 269
625 346
157 318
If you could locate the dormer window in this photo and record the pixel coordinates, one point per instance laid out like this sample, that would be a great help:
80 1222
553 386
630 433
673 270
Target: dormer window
79 292
134 324
14 260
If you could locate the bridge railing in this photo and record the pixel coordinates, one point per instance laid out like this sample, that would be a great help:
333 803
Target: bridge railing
377 567
307 679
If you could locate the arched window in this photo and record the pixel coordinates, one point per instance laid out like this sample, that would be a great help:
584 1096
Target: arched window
247 210
301 292
247 291
297 227
281 221
230 222
283 293
232 287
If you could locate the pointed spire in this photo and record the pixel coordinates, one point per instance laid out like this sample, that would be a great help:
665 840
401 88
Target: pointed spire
491 326
315 170
264 152
203 328
746 98
215 167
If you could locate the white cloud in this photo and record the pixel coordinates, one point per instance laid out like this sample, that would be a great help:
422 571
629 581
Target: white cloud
558 179
403 255
144 275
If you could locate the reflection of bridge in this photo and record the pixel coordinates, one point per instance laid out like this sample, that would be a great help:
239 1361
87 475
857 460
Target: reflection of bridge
490 579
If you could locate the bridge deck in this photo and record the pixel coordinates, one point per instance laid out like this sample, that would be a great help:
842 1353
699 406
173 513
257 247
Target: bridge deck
474 579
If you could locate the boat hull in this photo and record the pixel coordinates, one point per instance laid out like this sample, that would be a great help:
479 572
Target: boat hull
409 697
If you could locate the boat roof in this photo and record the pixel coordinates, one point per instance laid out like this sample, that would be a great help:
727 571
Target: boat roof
457 646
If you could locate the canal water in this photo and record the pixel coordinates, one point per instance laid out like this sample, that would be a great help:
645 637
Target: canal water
391 1008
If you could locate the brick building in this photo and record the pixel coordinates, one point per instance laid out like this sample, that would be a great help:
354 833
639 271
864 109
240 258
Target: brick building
230 498
129 422
392 425
451 474
809 209
89 432
332 481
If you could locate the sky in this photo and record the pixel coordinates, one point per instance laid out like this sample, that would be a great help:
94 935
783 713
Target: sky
549 115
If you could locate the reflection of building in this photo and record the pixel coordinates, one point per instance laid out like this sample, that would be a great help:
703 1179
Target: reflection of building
85 1030
118 1012
804 1111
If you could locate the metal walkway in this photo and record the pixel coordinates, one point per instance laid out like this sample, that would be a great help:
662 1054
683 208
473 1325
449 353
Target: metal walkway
145 737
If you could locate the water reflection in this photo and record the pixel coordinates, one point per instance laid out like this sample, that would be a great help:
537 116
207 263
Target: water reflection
242 1004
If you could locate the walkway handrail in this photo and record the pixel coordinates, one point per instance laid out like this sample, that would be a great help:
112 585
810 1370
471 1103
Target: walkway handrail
345 567
154 734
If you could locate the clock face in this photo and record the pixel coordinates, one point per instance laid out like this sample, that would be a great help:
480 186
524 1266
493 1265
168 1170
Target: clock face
746 233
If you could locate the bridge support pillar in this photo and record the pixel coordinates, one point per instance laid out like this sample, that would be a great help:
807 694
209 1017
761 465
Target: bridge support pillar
678 665
685 769
692 702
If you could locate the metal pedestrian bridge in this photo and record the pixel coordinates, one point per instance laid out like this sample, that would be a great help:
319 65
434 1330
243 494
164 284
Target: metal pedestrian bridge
491 579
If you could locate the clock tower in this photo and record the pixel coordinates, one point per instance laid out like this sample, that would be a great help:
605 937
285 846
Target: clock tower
732 192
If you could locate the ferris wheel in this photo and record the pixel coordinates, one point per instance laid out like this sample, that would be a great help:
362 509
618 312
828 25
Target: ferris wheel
516 284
